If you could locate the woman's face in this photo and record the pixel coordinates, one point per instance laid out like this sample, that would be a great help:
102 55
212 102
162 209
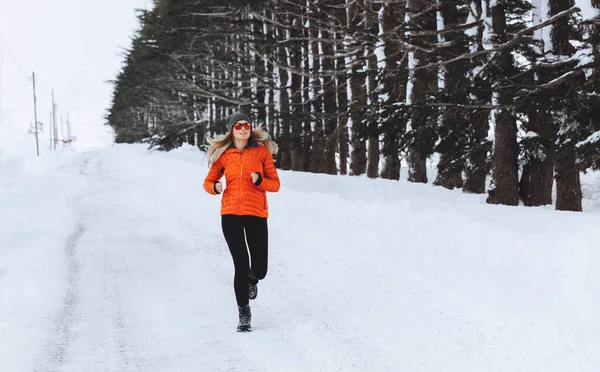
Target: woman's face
241 130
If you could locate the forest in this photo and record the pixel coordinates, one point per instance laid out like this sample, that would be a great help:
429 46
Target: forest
505 94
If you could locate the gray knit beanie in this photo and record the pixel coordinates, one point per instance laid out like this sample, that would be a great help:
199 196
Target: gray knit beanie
235 118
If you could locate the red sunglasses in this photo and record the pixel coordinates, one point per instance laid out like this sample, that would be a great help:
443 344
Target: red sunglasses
239 126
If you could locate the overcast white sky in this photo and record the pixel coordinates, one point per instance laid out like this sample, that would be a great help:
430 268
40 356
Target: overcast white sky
73 46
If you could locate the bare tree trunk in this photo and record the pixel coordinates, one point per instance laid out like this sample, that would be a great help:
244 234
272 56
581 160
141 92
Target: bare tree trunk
211 102
596 53
307 130
297 108
505 187
394 85
536 183
568 183
342 103
423 81
244 76
358 162
271 111
261 88
358 156
318 161
537 176
270 79
284 98
372 26
476 163
329 104
476 166
451 147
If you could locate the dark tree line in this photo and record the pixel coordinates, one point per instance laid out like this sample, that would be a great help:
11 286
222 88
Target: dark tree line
496 89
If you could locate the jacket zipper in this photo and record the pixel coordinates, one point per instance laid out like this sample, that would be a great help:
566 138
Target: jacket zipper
241 174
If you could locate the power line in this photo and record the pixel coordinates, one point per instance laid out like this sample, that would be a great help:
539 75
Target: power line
15 87
13 57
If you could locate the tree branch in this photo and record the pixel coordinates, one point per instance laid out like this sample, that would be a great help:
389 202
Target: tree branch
509 43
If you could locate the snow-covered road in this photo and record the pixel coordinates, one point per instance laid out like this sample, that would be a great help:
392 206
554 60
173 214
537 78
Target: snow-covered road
113 260
111 269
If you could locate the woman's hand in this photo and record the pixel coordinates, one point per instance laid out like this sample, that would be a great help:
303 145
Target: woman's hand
256 178
218 187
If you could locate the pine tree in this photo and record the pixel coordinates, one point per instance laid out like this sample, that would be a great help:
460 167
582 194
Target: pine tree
392 117
422 83
313 73
505 184
452 131
538 144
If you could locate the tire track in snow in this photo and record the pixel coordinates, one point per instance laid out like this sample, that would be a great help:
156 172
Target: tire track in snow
63 331
114 335
103 321
126 355
118 322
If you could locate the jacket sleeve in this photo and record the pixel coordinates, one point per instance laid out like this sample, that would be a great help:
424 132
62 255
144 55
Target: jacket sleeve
270 179
214 174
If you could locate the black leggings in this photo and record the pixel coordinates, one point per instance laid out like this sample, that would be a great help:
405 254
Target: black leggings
238 230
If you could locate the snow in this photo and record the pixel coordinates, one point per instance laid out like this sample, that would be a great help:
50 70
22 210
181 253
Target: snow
588 11
537 18
441 39
472 32
547 31
488 30
380 45
531 134
585 57
471 18
593 138
112 259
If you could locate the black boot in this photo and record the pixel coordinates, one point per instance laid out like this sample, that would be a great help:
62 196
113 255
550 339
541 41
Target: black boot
252 291
245 317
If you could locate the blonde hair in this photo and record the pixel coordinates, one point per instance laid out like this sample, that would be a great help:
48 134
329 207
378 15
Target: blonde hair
220 143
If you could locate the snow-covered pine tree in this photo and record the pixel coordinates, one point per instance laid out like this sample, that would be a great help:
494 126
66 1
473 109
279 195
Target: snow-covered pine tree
537 145
507 18
297 15
282 19
330 115
307 134
317 162
371 25
564 99
358 96
343 136
479 96
393 114
147 96
572 102
589 149
421 26
454 120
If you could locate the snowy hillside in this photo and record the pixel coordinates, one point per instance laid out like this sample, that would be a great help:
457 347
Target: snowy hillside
112 259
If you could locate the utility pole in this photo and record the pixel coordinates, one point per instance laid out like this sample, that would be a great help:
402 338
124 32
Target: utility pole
68 128
37 143
55 129
62 130
50 130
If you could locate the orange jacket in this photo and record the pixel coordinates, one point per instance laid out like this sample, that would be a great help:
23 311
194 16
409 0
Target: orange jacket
241 196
